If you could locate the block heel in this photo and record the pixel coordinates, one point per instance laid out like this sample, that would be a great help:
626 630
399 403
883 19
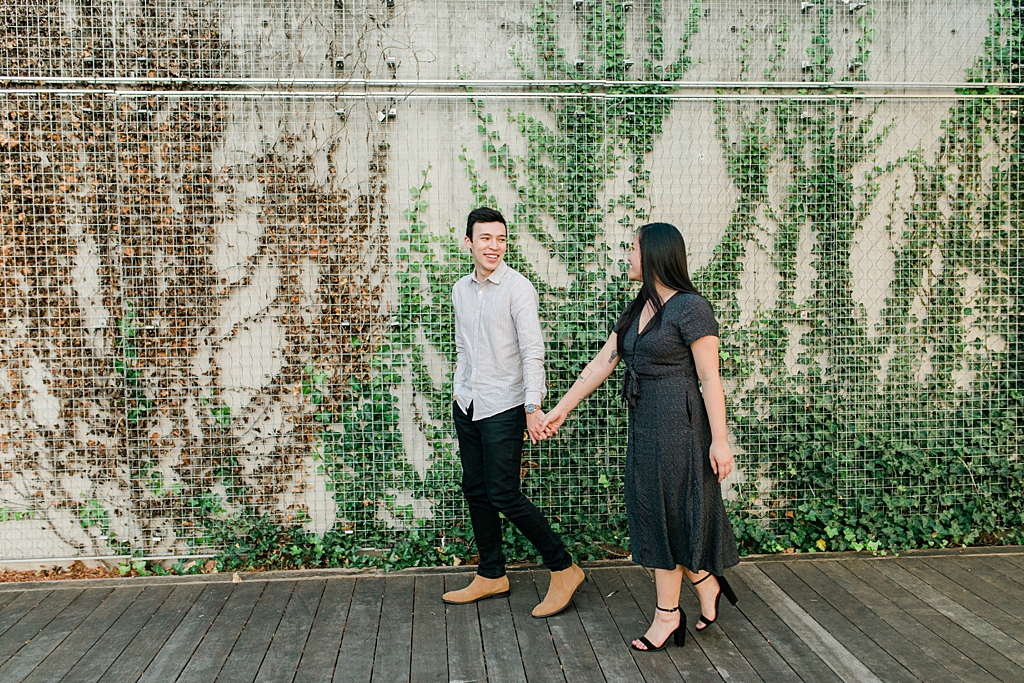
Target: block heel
723 588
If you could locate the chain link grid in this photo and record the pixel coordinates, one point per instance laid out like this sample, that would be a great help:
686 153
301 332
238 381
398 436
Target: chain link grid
499 41
254 279
62 436
229 304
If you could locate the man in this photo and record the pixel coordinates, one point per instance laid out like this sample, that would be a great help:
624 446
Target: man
499 385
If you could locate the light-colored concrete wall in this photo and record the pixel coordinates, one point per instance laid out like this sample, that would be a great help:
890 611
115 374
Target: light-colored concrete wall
299 194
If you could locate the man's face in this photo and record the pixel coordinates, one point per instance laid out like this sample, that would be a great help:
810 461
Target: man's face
487 246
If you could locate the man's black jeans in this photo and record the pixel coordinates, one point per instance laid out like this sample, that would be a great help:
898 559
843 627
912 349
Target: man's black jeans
491 451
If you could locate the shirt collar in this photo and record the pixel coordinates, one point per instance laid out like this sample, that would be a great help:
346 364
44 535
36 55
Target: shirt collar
496 275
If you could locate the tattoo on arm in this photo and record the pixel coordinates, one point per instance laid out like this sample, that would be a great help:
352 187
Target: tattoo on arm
585 375
615 354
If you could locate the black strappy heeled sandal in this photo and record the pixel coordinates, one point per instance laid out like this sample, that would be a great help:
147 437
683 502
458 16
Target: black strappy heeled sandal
679 635
723 587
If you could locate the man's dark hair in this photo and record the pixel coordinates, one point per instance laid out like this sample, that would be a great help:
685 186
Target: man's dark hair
483 216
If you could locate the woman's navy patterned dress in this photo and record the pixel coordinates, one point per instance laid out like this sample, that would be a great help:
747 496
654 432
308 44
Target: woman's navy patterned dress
673 498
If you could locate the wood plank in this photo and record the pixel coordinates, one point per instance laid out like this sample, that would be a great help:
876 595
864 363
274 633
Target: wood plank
9 596
984 583
843 662
393 657
753 646
322 644
429 644
1007 569
947 629
903 650
934 646
510 645
70 651
793 651
540 662
577 659
612 653
243 664
1014 559
19 607
208 659
977 565
32 623
39 647
982 608
867 652
109 646
694 661
502 658
465 649
631 623
715 641
984 628
144 646
282 658
358 643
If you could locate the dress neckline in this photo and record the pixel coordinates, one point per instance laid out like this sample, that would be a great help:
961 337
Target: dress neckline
641 332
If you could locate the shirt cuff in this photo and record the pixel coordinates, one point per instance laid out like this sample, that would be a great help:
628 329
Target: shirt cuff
534 397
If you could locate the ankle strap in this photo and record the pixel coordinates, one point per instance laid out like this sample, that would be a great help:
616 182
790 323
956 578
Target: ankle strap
662 609
706 577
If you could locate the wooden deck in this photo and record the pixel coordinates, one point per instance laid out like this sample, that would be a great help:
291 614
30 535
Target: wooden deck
946 617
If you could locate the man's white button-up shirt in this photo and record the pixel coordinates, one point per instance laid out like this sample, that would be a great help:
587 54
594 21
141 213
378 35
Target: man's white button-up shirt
499 346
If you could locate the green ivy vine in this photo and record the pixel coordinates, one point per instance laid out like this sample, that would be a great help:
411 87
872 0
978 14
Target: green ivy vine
862 456
852 434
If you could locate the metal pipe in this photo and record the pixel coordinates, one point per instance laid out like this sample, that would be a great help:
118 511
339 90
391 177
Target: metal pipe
493 83
320 94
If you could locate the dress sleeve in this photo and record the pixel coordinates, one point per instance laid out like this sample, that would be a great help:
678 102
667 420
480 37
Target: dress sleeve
696 319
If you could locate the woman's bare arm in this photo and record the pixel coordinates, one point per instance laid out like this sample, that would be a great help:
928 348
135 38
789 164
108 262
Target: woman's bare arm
705 357
593 376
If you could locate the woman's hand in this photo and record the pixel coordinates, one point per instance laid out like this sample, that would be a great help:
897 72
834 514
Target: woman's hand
721 459
553 420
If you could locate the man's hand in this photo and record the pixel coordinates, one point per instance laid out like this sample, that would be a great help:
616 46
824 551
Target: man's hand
535 425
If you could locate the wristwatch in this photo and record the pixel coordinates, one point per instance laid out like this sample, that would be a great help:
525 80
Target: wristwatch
531 408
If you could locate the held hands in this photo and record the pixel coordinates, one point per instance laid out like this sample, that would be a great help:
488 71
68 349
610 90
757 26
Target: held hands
721 459
535 425
553 421
543 426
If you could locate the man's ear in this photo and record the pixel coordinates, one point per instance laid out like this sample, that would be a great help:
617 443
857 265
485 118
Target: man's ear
468 242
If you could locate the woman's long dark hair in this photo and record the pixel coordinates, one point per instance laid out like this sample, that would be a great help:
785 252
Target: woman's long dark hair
662 259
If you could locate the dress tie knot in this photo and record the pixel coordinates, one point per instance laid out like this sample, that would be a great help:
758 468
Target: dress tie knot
630 387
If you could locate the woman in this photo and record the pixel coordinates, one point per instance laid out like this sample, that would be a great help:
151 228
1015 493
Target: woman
677 452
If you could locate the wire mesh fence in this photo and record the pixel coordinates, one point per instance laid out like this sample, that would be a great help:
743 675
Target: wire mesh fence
886 41
225 298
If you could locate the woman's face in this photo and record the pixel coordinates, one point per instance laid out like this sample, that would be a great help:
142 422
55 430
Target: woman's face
636 273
